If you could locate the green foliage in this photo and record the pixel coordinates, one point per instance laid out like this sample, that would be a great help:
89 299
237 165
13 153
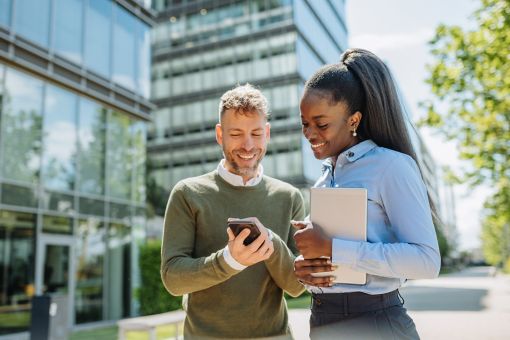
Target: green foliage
152 294
470 79
156 197
444 247
303 301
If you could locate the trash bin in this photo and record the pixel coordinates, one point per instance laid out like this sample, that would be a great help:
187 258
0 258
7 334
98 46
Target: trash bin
50 318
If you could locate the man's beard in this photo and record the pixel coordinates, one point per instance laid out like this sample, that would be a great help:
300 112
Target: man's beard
243 171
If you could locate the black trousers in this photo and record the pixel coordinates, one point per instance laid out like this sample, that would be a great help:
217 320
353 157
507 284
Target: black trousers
360 316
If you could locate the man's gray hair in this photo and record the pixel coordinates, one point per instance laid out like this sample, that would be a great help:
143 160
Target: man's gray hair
244 99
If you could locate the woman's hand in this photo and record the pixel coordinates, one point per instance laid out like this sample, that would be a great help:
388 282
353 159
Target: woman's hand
311 241
304 268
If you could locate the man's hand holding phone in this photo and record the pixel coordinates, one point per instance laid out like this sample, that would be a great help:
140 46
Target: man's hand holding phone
248 241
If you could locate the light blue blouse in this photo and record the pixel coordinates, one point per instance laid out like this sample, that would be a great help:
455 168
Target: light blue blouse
401 239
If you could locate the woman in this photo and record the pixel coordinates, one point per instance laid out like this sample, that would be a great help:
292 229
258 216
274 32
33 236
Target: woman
352 117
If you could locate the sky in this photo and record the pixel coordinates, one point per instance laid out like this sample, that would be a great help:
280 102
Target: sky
398 31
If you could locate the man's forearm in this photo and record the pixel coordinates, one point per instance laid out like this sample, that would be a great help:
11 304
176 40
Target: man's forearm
281 267
182 274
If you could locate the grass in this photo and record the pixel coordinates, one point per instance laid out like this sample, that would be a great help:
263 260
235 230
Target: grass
110 333
301 302
18 319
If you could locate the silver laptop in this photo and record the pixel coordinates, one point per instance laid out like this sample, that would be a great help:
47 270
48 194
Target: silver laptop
341 213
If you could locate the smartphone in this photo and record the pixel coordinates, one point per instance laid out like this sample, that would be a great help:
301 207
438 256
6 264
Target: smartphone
239 225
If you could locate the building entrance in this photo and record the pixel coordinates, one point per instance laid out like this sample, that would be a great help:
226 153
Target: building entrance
54 268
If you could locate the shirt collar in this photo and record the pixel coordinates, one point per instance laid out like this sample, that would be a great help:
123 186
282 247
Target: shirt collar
350 155
237 180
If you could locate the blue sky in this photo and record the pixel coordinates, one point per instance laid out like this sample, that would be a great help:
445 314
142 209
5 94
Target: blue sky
398 32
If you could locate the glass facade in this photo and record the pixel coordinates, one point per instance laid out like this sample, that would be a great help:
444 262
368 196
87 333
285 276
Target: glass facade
90 254
74 106
77 168
204 49
101 35
17 270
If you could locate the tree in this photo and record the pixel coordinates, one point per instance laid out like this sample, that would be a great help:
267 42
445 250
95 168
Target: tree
470 79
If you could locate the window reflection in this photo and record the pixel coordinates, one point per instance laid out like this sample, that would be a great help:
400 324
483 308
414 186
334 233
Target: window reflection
17 244
56 269
68 28
119 160
124 48
57 225
90 252
86 32
24 196
139 159
21 127
59 139
314 32
32 20
120 211
56 201
97 37
91 136
119 271
144 55
90 206
5 12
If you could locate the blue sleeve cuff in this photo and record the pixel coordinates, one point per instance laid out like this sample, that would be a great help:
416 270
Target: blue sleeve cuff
344 252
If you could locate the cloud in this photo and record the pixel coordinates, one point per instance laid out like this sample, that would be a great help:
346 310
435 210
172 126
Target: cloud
381 42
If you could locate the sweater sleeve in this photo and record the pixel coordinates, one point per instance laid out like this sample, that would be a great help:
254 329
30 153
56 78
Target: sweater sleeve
181 273
281 264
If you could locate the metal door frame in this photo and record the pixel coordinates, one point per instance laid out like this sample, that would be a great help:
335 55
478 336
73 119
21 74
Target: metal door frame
56 240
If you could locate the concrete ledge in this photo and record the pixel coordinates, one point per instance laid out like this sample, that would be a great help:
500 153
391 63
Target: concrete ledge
150 322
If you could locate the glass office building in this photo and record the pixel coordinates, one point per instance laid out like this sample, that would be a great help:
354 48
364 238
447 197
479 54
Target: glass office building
74 88
203 48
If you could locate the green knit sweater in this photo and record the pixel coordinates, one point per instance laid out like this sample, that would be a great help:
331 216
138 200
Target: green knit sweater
222 302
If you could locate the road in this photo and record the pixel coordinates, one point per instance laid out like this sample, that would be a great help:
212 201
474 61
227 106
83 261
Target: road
471 304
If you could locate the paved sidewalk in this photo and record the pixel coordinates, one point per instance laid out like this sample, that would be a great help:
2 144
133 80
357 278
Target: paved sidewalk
299 322
468 305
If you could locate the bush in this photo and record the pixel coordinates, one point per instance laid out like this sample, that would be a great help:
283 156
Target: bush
152 294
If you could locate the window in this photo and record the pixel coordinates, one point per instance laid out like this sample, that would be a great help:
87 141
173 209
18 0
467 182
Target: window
32 20
144 58
57 225
90 252
97 36
138 137
119 160
124 48
21 127
68 28
17 244
91 137
59 131
315 33
24 196
5 12
119 271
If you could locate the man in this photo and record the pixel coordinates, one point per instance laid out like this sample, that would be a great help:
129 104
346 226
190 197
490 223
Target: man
232 290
